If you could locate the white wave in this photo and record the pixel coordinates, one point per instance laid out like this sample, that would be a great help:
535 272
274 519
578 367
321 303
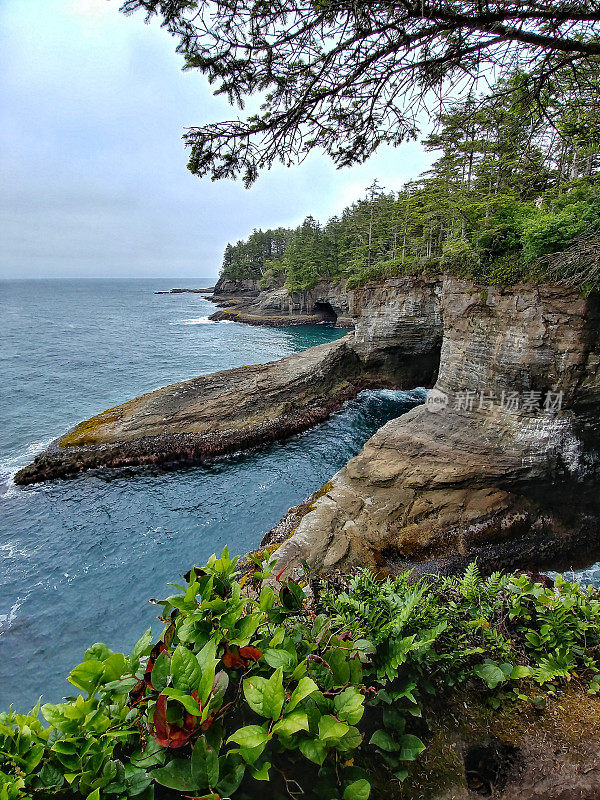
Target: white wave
395 394
201 321
6 620
12 550
584 577
11 465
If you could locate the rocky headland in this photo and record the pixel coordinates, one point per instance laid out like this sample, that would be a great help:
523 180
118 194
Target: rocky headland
503 466
243 301
208 290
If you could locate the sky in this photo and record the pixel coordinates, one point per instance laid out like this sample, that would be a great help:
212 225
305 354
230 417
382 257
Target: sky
93 177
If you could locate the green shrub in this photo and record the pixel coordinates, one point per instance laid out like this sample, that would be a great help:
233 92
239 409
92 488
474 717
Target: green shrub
501 234
550 230
270 683
443 632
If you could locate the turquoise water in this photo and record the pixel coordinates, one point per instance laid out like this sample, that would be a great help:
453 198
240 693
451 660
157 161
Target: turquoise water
79 559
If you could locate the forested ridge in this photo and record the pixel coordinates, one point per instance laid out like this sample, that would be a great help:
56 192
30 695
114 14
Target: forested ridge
514 181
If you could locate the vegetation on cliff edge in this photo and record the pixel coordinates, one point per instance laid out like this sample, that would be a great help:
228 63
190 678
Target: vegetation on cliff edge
508 189
312 687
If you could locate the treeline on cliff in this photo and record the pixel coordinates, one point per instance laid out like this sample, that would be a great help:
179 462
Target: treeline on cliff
515 180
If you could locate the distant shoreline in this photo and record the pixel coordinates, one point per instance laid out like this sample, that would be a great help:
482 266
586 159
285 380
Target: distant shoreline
210 290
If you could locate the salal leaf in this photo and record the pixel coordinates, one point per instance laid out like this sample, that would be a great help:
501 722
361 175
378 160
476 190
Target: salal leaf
306 686
266 599
410 747
351 740
97 652
205 764
274 695
141 648
220 684
281 658
186 700
34 756
254 689
292 723
177 774
206 682
278 637
185 669
338 662
87 675
245 629
261 773
250 736
50 777
160 671
519 672
384 741
207 655
232 774
358 790
349 706
490 673
114 666
313 749
331 731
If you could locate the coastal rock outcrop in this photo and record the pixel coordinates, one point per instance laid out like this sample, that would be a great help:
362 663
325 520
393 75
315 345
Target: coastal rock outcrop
488 467
236 409
516 753
326 302
226 288
209 415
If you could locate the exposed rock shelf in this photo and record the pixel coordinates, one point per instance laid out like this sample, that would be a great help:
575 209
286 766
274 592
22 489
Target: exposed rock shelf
208 416
243 302
209 290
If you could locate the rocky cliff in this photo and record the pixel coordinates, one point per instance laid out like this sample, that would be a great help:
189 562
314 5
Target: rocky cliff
503 466
489 467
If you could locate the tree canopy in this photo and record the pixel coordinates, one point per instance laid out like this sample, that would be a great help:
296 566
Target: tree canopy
348 75
506 190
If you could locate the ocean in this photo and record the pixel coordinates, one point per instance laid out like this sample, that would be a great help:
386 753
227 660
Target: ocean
81 558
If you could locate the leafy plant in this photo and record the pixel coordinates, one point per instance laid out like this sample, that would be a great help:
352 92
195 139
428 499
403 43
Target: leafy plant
253 680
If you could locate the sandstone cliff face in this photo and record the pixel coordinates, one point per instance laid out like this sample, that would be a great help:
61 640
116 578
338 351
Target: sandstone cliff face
228 288
480 477
399 324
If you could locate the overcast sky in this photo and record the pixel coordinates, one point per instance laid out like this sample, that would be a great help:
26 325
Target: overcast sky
93 178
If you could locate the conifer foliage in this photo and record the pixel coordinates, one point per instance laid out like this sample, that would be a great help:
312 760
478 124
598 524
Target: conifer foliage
511 184
346 76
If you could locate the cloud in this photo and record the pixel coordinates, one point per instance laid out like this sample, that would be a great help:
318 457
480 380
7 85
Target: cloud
94 179
89 8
